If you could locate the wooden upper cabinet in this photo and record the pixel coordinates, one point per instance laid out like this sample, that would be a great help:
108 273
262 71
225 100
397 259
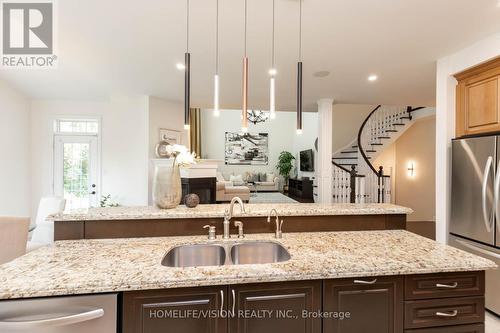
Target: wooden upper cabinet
478 100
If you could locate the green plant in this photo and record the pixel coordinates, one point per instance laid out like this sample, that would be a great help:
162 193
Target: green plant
285 165
106 201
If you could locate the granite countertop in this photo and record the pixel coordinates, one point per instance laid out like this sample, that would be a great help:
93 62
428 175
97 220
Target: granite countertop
217 211
95 266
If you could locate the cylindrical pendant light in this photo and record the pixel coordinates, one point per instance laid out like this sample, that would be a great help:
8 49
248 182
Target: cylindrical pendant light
216 76
187 74
299 75
244 123
272 72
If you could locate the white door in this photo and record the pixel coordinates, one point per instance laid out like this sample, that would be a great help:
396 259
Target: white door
76 168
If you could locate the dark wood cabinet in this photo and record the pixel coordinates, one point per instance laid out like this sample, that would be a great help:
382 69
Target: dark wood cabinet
372 305
393 304
186 310
277 307
300 188
205 188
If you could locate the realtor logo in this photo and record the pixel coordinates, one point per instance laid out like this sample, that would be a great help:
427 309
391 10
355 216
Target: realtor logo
28 34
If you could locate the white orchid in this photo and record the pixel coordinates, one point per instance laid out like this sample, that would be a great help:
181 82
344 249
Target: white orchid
182 155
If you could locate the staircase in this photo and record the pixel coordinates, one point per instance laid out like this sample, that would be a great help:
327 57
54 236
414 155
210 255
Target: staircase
355 178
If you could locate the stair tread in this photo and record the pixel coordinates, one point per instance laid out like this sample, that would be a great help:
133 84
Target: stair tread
370 151
349 152
377 144
384 137
346 158
398 124
391 131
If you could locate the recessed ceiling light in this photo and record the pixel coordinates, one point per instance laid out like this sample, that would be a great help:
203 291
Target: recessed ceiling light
180 66
321 74
372 78
273 71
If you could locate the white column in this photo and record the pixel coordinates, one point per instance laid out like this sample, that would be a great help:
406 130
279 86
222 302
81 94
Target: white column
324 176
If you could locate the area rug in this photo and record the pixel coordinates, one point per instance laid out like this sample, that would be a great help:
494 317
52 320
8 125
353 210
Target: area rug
270 197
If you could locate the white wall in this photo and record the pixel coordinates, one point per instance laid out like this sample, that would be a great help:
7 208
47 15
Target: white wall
282 136
347 119
15 164
124 145
445 118
163 114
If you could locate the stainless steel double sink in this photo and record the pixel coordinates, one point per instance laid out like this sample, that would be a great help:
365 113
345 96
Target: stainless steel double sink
230 253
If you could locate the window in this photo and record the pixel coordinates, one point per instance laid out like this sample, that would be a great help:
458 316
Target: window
77 126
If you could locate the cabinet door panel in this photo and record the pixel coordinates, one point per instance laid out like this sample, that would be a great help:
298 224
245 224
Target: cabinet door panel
482 104
185 310
276 307
375 305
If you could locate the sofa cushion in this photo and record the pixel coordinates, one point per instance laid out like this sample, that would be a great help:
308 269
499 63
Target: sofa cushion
265 183
269 177
237 189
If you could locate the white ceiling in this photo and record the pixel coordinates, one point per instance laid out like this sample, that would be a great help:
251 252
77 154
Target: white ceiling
130 46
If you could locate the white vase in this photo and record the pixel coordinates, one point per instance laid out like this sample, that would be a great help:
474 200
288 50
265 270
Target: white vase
167 189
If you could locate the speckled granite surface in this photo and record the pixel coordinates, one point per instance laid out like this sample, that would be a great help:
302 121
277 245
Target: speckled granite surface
93 266
210 211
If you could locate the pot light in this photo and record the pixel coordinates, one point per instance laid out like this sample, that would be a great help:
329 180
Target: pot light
273 71
372 78
180 66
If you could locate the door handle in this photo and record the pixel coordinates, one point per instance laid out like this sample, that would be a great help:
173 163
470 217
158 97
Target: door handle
365 282
234 300
35 325
496 197
222 300
486 174
449 286
453 313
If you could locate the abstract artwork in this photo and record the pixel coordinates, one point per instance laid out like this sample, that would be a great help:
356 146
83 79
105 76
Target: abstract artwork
246 148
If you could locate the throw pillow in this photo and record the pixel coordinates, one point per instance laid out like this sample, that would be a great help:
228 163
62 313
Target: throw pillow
269 177
237 180
220 177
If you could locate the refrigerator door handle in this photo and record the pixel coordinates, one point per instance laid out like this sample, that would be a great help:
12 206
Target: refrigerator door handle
496 197
486 175
478 249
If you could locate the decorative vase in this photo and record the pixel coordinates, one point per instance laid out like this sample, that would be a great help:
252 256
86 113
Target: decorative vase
167 190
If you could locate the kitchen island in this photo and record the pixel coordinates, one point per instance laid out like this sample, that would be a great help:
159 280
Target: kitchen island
391 280
125 222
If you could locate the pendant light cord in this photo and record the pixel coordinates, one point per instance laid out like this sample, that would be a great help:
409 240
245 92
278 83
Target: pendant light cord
272 56
187 26
300 30
217 38
245 32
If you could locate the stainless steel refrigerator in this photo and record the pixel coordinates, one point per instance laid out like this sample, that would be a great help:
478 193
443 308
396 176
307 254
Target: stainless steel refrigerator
475 205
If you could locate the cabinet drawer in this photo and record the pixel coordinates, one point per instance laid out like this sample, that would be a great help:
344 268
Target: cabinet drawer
476 328
444 312
444 285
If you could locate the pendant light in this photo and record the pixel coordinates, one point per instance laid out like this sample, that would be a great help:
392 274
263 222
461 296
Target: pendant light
299 75
187 64
244 123
216 76
272 72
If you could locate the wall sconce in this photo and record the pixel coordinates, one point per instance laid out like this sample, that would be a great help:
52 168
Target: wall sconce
411 169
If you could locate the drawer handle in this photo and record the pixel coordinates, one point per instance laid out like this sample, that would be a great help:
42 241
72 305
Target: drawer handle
449 286
454 313
365 282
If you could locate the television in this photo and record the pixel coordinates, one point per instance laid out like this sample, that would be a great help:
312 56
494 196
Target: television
307 160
